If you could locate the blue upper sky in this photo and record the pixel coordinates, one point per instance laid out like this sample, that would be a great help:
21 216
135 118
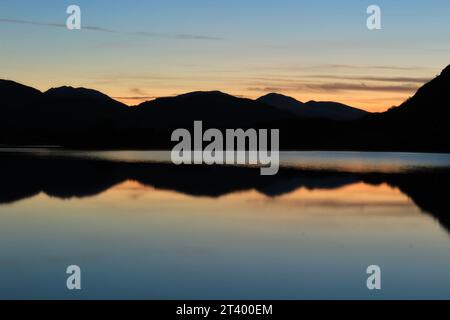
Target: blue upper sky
307 49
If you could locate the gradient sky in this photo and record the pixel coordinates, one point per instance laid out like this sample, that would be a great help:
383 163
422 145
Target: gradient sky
135 50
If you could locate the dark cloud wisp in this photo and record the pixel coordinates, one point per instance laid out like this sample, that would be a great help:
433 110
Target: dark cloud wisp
180 36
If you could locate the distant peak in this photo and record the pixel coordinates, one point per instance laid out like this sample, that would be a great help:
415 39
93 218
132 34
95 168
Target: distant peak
12 83
275 95
67 90
11 88
271 97
204 93
194 96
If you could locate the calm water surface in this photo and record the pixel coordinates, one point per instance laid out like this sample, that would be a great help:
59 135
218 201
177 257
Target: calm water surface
140 228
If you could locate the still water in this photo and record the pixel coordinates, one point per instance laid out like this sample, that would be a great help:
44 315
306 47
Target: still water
141 228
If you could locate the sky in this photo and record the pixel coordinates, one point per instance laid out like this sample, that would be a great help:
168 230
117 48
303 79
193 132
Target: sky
136 50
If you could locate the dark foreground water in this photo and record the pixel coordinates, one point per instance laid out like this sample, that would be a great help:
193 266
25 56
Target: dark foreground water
142 228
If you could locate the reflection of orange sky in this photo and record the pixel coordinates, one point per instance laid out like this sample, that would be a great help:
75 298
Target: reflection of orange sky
356 195
357 212
361 209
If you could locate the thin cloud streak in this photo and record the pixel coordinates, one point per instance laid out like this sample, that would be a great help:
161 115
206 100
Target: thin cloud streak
57 25
336 87
362 87
181 36
369 78
342 66
379 67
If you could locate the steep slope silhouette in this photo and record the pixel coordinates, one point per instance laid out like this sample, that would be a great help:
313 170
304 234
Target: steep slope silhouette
421 120
313 109
431 98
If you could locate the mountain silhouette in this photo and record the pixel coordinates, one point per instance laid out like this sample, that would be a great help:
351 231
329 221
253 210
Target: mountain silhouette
313 109
15 92
85 118
216 109
60 116
422 120
84 95
423 103
15 99
81 109
17 111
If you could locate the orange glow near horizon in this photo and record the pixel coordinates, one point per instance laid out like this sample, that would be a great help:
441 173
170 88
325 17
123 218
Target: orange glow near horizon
372 102
132 92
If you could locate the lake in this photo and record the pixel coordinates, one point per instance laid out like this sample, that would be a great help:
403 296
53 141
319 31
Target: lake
142 228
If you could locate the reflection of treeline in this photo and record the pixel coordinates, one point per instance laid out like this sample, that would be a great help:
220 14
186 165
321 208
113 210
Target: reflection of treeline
25 176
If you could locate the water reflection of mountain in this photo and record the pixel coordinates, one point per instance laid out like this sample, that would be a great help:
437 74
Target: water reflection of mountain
26 176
